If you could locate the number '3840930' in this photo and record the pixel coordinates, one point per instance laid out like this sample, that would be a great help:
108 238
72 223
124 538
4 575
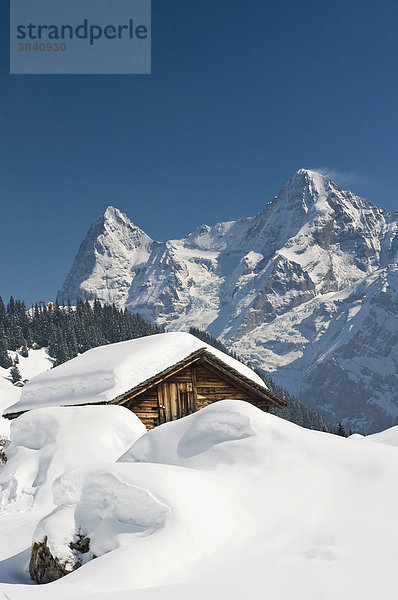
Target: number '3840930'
36 47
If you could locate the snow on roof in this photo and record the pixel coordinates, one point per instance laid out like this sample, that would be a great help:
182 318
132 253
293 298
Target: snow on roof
104 373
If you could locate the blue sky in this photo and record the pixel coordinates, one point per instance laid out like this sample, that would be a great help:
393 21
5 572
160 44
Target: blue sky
242 94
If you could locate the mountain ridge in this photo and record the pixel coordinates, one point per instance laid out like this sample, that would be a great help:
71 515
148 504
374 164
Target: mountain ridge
276 287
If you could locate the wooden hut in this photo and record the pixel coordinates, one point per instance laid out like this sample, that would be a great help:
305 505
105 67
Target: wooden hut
160 378
192 384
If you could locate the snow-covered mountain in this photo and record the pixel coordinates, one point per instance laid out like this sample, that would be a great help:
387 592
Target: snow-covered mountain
307 289
107 261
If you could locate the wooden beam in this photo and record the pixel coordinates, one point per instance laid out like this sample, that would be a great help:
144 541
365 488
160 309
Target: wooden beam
194 387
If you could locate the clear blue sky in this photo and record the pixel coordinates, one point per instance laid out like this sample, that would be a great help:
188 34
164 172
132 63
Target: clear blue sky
243 93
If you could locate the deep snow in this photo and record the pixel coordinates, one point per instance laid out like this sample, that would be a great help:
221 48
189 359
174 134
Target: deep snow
229 503
47 442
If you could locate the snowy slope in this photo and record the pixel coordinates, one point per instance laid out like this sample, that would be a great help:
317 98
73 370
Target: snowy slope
247 281
339 351
37 362
229 502
388 437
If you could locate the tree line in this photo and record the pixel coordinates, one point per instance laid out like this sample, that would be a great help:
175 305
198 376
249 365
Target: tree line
65 330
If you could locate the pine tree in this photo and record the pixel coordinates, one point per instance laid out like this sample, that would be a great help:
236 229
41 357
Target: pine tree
3 312
15 374
5 358
11 306
341 431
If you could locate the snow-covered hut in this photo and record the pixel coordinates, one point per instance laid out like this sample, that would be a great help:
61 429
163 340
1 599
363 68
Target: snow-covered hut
160 378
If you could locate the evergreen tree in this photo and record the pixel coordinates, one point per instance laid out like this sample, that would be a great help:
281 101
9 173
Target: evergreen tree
340 430
15 374
5 358
3 312
11 306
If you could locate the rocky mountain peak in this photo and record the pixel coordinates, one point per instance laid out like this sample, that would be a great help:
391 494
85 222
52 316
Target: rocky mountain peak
113 213
107 259
114 219
305 189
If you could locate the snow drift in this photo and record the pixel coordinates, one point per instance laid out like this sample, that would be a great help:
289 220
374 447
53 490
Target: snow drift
229 502
388 437
153 520
49 441
235 502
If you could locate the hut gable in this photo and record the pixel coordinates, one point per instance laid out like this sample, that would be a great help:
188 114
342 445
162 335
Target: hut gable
190 385
160 378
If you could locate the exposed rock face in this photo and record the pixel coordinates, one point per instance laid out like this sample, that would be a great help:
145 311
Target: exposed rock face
313 271
44 567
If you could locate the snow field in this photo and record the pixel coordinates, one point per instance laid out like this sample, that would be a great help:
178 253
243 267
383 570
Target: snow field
229 502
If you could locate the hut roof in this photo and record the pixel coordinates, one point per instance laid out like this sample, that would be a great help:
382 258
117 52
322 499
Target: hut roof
107 373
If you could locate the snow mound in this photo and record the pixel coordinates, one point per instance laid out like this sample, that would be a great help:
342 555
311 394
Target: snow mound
4 429
102 505
356 436
47 442
204 438
151 522
388 437
104 373
220 424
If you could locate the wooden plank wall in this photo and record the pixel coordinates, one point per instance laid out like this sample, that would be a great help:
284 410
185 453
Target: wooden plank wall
210 387
145 407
